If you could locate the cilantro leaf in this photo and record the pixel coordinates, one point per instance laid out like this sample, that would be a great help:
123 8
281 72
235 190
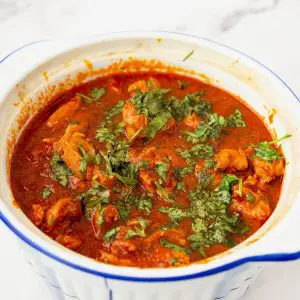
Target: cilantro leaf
227 181
138 230
182 84
46 192
93 96
145 205
210 129
110 235
175 214
249 197
94 198
236 119
161 169
157 123
188 55
266 151
174 247
60 170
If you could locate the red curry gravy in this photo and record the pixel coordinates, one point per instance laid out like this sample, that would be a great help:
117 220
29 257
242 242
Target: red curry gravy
147 170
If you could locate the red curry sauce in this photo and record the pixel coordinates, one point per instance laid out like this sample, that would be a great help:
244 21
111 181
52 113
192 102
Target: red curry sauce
128 189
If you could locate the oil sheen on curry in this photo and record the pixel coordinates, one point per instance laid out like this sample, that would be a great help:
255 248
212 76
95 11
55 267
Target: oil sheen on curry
147 170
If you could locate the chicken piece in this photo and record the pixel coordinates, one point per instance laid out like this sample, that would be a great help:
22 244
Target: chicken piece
69 241
134 122
147 154
97 223
267 171
112 259
110 215
148 179
68 147
258 209
107 216
37 215
63 113
279 167
123 247
231 158
63 209
179 258
143 86
173 235
99 176
192 121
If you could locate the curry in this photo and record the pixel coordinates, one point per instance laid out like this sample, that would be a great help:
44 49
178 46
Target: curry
147 170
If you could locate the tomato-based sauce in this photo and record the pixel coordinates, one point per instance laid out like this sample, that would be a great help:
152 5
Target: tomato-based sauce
147 170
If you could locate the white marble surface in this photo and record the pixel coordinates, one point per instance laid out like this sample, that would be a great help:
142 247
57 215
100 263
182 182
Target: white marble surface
265 29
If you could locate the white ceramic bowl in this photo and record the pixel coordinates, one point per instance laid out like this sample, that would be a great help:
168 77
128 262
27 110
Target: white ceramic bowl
25 77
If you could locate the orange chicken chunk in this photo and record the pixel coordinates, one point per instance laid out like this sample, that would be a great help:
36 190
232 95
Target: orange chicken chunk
69 241
258 208
267 171
68 146
134 122
192 121
236 159
143 85
62 209
64 112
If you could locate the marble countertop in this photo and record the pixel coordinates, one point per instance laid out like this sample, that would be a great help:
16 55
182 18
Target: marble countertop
264 29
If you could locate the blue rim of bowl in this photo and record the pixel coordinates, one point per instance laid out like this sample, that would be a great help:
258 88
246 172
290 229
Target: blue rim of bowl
256 258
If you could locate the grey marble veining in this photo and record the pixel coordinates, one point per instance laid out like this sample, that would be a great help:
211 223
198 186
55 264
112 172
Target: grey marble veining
254 7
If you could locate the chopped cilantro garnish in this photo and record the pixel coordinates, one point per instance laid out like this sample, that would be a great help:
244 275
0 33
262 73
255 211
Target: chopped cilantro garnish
190 103
105 135
139 229
181 187
249 197
213 127
210 129
176 214
187 170
236 119
59 169
227 181
97 159
94 198
127 202
116 110
144 205
188 55
46 192
93 96
174 261
265 150
209 163
197 151
86 159
161 169
157 123
110 235
182 84
174 247
163 193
